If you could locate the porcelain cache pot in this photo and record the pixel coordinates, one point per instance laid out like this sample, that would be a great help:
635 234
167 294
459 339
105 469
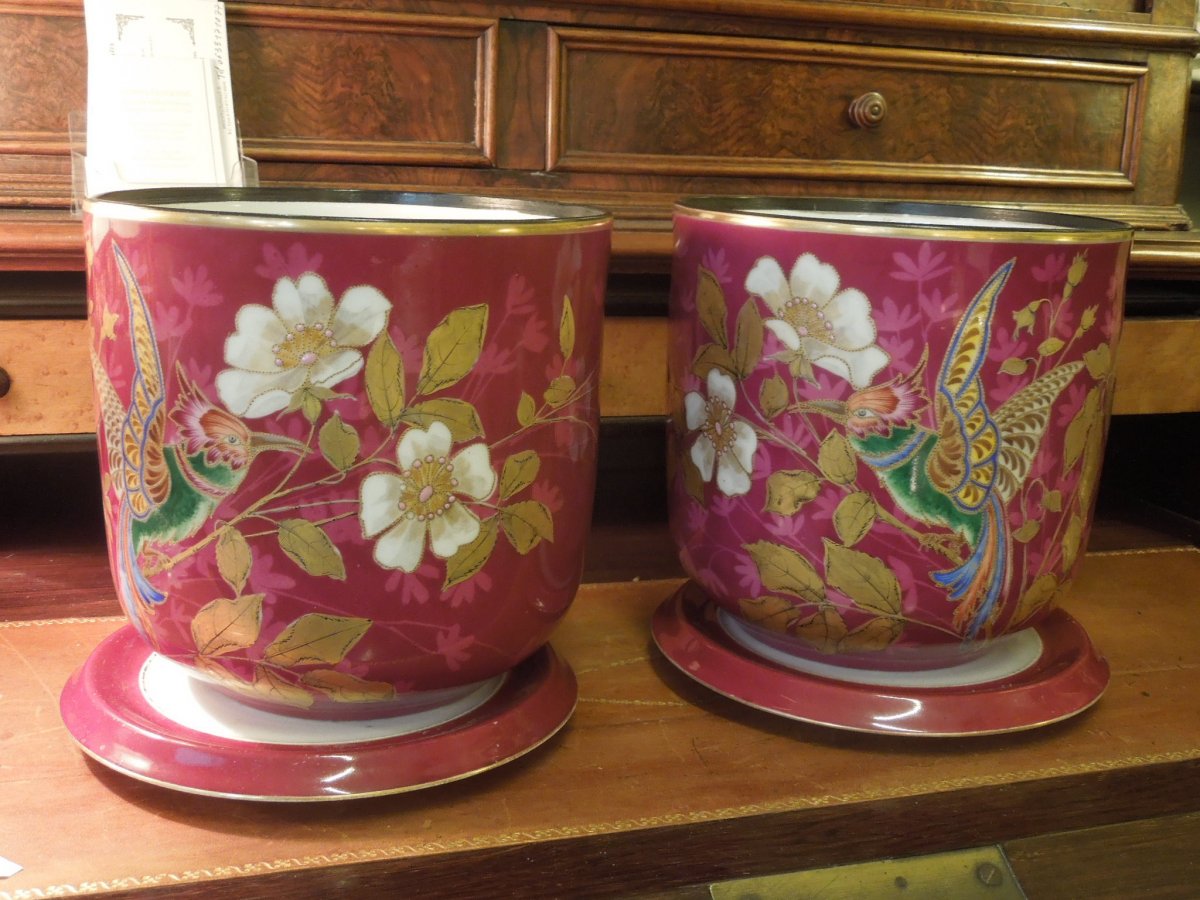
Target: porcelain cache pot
887 421
347 439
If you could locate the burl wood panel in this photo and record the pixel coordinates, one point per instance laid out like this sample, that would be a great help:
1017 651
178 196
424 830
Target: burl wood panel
42 80
360 86
685 104
51 389
655 782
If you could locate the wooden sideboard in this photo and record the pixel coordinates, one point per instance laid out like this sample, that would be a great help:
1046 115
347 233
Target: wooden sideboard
1075 106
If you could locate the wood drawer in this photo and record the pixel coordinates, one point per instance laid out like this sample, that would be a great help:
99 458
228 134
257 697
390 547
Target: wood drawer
52 389
645 103
51 392
312 86
341 85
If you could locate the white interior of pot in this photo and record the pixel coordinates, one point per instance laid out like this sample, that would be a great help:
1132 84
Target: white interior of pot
898 218
398 212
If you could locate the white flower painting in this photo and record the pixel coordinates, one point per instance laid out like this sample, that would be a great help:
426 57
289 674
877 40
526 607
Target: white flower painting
725 443
303 341
424 501
819 324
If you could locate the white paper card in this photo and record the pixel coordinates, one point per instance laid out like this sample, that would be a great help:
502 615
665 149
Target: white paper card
8 868
160 99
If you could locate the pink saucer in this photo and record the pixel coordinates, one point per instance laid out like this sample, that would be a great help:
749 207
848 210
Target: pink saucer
1023 680
178 731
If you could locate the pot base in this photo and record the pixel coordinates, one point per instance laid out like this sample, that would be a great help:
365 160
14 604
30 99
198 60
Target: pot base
151 719
1029 679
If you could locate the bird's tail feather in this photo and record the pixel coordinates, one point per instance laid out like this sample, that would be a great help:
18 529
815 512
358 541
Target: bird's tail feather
977 583
136 593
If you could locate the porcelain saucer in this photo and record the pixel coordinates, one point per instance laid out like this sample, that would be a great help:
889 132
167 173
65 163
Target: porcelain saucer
150 718
1042 675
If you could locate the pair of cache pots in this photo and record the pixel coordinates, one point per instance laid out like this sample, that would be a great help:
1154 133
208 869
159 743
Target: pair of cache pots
348 453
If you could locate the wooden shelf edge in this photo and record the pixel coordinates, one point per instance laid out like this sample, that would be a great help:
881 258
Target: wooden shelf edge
643 730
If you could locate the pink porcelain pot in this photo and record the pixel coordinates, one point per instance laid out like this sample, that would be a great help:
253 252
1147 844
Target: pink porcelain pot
348 439
887 419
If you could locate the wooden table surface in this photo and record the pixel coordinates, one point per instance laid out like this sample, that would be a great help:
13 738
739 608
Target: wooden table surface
655 784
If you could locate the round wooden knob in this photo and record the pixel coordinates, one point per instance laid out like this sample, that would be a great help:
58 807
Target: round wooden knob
5 383
868 110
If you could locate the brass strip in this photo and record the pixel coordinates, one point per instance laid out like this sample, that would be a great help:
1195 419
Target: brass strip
981 872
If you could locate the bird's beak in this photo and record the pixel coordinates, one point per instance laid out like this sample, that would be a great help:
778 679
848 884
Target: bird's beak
831 409
261 441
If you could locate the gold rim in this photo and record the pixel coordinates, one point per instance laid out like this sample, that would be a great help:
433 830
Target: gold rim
843 216
202 206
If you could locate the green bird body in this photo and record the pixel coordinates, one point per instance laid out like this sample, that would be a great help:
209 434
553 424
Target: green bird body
908 482
960 474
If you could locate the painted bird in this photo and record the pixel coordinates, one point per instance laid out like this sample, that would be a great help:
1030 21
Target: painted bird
166 491
962 473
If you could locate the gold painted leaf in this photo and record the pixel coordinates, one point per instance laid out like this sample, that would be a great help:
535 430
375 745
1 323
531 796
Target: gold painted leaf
339 443
854 517
470 558
693 482
459 416
316 639
1025 317
1078 429
788 490
748 340
1078 269
566 329
234 558
1052 501
519 472
560 391
274 687
384 377
1072 537
710 357
526 524
453 348
865 579
783 569
311 407
798 364
346 688
1014 365
1093 456
825 630
872 636
1098 361
526 410
1086 321
773 396
710 305
1050 346
1028 531
774 613
836 459
1044 592
214 671
311 549
224 626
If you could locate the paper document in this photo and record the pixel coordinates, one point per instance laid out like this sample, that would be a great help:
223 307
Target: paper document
160 99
